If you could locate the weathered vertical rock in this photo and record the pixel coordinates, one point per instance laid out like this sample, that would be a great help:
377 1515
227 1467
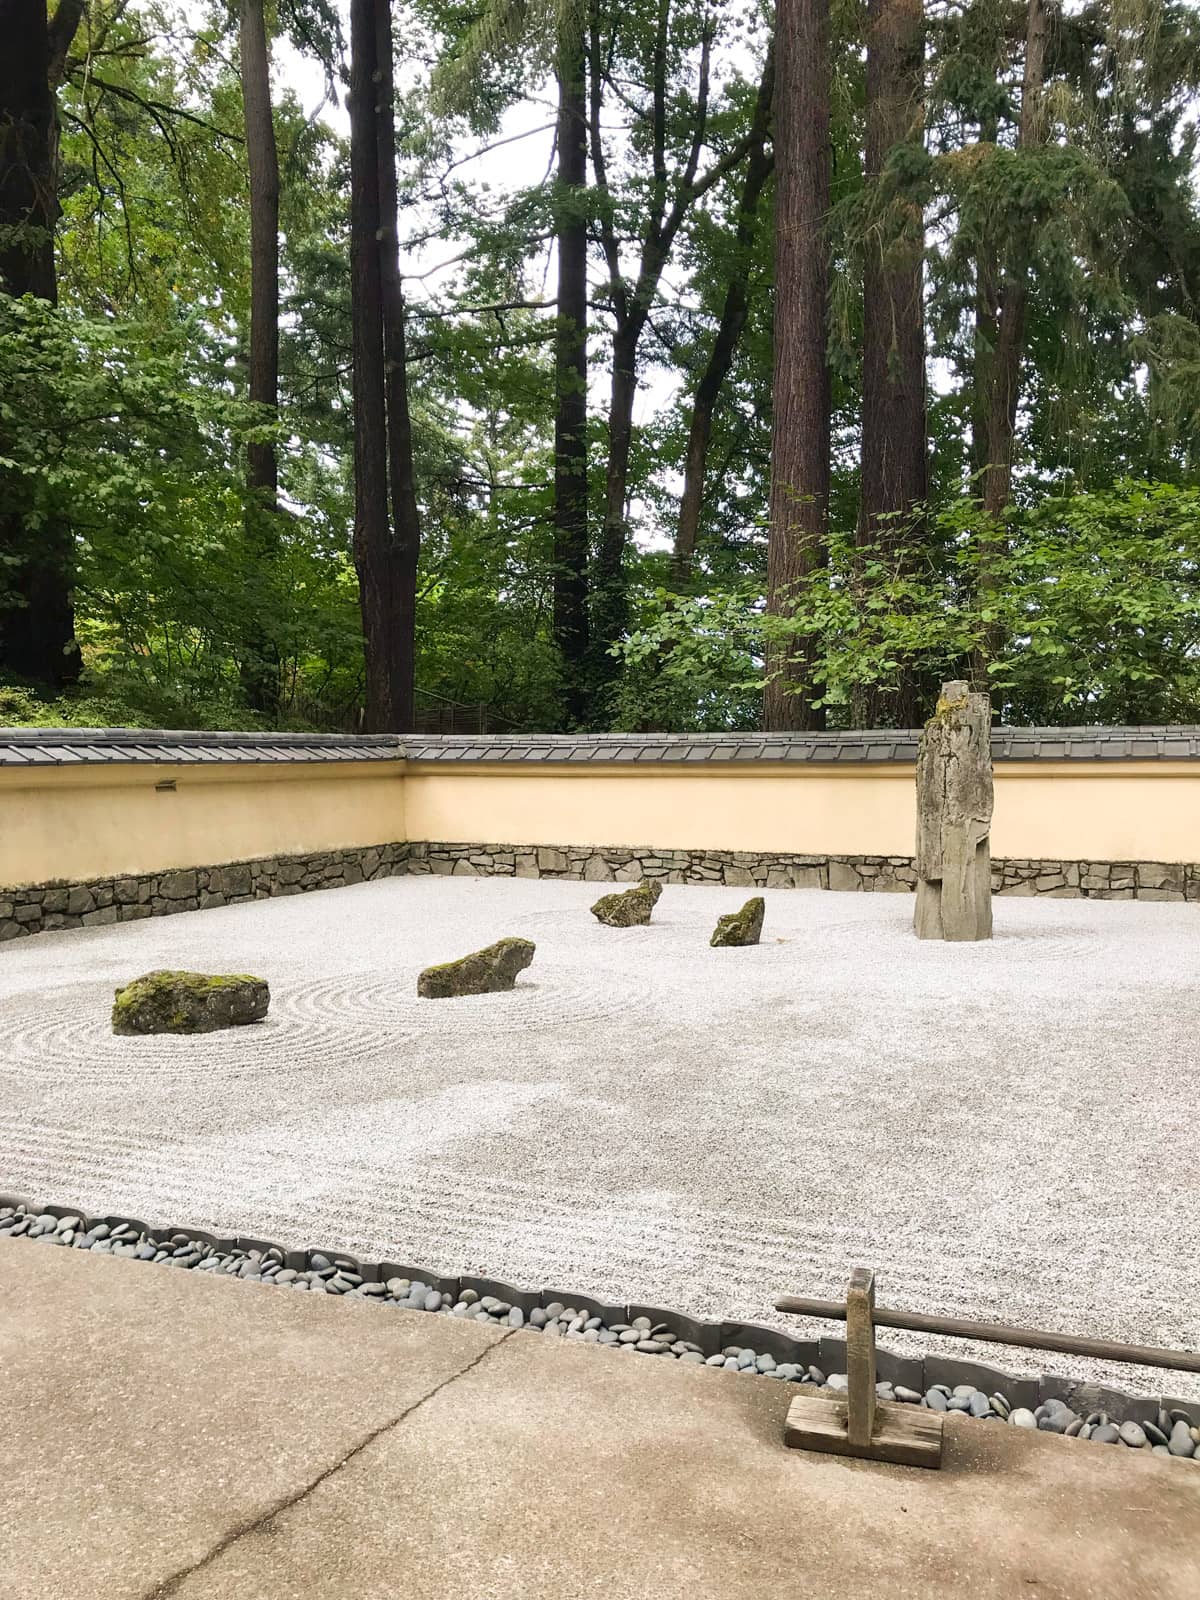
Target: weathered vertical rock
954 819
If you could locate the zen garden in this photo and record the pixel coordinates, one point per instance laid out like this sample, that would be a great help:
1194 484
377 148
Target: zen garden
600 758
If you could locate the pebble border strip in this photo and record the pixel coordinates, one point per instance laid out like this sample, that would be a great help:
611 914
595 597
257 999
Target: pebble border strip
1161 1425
44 908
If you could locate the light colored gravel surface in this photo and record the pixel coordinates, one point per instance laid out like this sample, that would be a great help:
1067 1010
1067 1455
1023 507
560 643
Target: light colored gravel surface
1005 1130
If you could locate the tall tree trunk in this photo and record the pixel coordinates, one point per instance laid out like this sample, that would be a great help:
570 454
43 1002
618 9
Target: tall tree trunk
894 473
372 531
37 622
1003 302
729 330
800 444
405 543
609 598
570 372
1004 390
260 672
263 162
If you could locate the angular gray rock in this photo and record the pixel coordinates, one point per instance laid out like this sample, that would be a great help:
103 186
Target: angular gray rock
631 909
741 927
188 1002
488 971
954 819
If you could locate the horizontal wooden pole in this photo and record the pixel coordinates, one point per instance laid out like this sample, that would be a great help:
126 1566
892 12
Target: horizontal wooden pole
996 1333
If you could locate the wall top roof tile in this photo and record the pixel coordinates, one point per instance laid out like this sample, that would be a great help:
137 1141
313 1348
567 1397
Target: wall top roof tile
40 747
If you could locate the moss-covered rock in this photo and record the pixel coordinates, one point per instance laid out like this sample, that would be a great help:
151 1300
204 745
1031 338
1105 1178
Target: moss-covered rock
487 971
631 909
189 1002
741 927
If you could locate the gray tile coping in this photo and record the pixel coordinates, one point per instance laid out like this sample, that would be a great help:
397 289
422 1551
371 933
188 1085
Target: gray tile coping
24 747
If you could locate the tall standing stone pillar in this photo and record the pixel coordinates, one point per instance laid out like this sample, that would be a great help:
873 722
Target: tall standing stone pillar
954 818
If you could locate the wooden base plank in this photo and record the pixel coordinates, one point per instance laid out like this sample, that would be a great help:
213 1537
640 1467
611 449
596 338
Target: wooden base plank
908 1435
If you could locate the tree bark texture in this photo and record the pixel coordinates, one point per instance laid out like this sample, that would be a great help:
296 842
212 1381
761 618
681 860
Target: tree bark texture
260 667
800 444
570 373
1002 300
405 529
894 472
263 163
1004 389
734 312
372 530
37 622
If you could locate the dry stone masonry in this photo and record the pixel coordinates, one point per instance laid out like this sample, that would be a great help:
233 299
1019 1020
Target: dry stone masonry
954 818
49 907
1107 880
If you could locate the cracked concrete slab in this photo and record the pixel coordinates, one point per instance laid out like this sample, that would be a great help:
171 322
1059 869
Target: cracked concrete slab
149 1416
171 1437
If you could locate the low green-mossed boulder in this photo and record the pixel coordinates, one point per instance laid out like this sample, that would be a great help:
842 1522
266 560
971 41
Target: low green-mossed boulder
632 909
741 927
487 971
189 1002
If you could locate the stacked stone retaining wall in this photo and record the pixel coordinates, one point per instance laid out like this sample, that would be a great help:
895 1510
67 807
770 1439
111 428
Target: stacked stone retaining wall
43 908
1108 880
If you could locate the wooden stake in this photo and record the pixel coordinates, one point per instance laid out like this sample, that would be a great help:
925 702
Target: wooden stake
860 1357
861 1425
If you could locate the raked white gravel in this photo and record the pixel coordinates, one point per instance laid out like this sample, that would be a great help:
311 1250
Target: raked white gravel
1007 1130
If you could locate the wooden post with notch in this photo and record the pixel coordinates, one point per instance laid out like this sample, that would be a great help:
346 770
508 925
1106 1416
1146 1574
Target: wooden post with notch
862 1425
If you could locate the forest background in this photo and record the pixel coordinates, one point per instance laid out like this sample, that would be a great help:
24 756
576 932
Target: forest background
654 440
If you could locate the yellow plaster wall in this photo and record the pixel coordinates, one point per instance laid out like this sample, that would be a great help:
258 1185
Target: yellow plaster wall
1123 811
820 810
1131 810
92 822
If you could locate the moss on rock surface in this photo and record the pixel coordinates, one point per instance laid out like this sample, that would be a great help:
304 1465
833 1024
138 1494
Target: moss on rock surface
488 971
741 927
189 1002
632 909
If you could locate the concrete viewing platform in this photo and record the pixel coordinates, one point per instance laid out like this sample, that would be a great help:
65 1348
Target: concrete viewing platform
171 1435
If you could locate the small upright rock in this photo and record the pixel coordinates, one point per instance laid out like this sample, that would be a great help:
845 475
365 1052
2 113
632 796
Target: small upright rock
631 909
487 971
188 1002
741 927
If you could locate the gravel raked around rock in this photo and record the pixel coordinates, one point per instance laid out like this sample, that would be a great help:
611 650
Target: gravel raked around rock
1003 1131
1174 1433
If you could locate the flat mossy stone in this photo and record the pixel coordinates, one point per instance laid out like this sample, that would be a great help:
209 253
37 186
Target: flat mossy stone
189 1002
488 971
741 927
631 909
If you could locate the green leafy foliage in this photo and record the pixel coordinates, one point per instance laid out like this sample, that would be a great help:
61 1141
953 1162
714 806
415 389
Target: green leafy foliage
123 413
1095 596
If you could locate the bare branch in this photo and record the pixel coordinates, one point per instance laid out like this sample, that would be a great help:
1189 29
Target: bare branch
155 108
